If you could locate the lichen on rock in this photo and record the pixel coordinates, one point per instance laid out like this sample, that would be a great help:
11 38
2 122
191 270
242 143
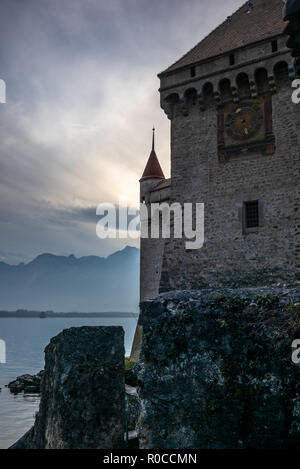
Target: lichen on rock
82 392
216 370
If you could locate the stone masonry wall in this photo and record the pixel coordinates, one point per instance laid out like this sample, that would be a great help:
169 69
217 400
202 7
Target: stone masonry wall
151 249
230 257
296 143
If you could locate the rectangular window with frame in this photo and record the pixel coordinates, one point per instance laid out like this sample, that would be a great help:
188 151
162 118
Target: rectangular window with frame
231 59
252 216
274 45
193 71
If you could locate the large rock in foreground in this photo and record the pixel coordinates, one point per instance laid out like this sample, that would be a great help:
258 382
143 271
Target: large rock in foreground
83 392
217 370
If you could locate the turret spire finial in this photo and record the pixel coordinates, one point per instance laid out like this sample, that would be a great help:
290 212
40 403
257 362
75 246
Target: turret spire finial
153 169
153 139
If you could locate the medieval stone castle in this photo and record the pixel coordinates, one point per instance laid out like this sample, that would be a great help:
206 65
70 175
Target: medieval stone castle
235 148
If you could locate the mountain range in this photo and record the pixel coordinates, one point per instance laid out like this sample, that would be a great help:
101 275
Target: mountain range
67 284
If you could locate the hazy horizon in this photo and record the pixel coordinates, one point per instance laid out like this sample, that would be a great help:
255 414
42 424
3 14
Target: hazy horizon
67 256
70 284
82 97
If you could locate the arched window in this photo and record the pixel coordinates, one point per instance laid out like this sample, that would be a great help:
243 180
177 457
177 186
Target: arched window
191 96
208 93
171 101
281 73
172 98
261 79
242 82
225 90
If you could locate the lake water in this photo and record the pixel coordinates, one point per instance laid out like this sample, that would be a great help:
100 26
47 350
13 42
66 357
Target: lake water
26 340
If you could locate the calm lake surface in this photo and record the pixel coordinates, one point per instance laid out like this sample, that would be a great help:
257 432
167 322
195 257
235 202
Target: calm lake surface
26 340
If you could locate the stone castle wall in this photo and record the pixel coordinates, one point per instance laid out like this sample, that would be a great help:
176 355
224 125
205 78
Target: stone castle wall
151 249
296 154
151 257
229 256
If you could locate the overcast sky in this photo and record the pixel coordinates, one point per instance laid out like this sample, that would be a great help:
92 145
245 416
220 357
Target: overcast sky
82 97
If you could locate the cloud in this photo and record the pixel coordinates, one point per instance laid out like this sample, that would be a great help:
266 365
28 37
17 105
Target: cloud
81 101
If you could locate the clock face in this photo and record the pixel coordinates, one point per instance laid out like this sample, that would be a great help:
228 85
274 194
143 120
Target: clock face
244 121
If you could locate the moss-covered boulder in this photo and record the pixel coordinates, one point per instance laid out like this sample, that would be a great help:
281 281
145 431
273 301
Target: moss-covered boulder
217 371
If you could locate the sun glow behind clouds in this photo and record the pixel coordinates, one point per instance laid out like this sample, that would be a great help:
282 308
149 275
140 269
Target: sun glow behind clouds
81 101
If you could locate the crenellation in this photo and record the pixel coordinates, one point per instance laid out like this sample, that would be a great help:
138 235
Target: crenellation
218 66
179 90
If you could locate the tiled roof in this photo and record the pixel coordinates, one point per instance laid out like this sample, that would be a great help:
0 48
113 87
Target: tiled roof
162 185
153 168
264 21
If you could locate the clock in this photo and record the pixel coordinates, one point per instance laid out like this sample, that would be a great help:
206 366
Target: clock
245 127
244 121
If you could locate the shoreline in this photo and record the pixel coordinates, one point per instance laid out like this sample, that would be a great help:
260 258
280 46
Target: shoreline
52 315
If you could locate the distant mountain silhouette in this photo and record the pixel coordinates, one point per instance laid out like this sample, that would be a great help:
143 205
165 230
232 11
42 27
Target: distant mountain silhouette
67 284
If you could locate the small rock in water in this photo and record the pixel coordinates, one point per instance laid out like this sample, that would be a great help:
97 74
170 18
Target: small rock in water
26 383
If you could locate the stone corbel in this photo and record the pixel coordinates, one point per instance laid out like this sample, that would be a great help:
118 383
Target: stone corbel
253 88
235 94
297 68
168 109
272 84
292 71
201 102
183 106
217 98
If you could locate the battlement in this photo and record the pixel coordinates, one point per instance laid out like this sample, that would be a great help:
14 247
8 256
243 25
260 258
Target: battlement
215 84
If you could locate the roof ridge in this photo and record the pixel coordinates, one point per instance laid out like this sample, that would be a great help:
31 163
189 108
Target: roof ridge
203 39
262 22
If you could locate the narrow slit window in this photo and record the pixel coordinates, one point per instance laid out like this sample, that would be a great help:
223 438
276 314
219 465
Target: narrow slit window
193 72
252 214
231 59
275 45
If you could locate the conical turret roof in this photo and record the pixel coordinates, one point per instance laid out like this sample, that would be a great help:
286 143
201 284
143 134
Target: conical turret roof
153 169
